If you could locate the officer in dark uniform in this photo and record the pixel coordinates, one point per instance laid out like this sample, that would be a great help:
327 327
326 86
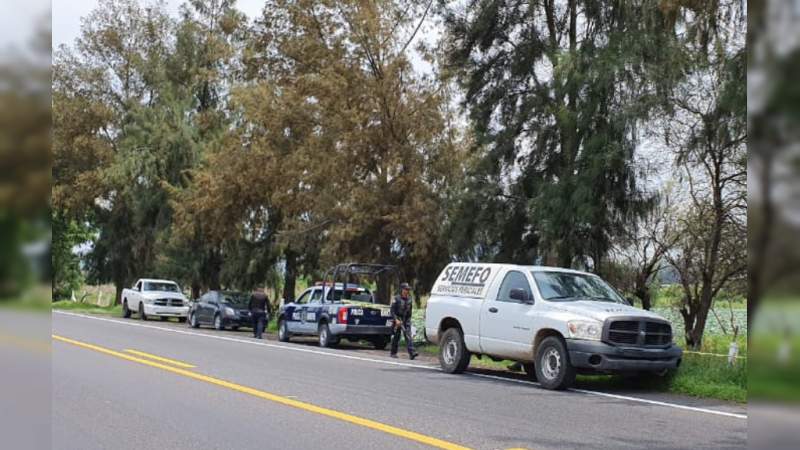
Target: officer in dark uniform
259 310
401 312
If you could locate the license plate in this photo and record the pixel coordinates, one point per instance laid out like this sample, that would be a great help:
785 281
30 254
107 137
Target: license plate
389 323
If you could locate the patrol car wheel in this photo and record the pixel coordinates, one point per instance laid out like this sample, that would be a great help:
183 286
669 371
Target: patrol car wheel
283 331
218 323
126 312
325 338
453 354
553 368
142 315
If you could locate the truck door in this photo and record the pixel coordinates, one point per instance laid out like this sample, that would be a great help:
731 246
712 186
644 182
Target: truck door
311 312
294 312
506 324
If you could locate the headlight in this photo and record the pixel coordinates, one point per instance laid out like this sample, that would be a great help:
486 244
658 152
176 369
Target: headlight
229 311
584 329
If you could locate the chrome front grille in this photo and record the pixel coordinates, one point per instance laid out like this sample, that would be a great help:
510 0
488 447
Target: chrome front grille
168 302
643 333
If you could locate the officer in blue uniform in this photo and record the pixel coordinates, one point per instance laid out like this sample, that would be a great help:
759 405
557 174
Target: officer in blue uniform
401 312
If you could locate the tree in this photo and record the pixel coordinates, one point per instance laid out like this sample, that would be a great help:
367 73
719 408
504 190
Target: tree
351 141
555 90
640 253
67 274
137 101
708 128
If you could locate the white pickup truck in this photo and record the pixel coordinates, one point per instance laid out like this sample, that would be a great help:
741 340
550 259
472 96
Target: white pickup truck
556 322
151 297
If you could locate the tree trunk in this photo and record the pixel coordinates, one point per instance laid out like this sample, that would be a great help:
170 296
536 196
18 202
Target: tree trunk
384 281
195 290
688 315
644 295
290 277
118 287
215 267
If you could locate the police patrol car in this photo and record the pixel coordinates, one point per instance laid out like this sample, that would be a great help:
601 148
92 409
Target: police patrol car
346 311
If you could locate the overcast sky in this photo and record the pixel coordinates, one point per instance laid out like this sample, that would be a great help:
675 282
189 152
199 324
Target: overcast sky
19 20
67 15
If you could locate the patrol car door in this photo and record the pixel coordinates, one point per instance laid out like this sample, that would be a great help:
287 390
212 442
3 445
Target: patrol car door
311 312
506 323
294 312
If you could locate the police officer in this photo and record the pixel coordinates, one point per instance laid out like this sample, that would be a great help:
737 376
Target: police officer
259 308
401 312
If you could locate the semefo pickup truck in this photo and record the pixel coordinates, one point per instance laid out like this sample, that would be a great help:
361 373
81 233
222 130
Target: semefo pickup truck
556 322
149 297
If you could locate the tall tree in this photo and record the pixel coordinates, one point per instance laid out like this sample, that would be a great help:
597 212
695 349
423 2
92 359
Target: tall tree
555 90
708 128
364 151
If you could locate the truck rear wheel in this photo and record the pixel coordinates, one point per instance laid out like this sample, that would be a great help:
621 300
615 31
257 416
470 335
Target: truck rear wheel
553 368
453 354
126 312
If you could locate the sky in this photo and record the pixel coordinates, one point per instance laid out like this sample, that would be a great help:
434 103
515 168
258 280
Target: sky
19 21
67 15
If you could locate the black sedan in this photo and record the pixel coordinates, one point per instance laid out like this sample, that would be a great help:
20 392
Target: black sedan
221 309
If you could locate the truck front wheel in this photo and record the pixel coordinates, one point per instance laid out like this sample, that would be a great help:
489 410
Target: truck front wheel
553 369
283 331
325 337
142 315
453 354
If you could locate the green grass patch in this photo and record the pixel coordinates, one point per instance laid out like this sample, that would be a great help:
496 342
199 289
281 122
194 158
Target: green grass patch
67 305
699 376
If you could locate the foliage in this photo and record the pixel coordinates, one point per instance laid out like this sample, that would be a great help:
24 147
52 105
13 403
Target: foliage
67 274
555 90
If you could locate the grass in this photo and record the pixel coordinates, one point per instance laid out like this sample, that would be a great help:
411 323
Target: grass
699 376
67 305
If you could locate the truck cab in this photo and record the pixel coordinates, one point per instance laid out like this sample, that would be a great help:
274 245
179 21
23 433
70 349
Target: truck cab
555 321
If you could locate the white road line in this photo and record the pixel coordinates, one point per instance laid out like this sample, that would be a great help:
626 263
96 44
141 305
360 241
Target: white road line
337 354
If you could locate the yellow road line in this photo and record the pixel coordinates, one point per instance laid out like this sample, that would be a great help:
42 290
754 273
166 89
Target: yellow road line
160 358
367 423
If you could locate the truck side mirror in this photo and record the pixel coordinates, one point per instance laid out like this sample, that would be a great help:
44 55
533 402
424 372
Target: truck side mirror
519 295
629 300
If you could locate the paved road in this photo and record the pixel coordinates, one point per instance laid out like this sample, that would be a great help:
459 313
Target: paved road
242 393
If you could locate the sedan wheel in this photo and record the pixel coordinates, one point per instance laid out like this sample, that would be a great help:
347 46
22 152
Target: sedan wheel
193 321
218 323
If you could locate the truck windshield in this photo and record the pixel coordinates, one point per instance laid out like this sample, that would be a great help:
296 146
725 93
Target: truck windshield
160 287
567 286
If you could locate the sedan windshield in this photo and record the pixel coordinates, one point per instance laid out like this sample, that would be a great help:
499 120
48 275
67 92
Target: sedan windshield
235 299
161 287
568 286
